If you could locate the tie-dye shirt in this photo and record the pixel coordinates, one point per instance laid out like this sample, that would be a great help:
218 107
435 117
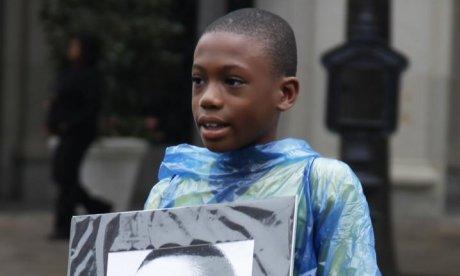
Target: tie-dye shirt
334 233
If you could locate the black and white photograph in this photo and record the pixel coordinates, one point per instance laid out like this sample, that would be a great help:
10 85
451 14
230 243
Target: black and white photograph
225 259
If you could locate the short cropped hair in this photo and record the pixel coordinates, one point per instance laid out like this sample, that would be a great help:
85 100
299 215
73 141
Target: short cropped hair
202 250
176 250
273 31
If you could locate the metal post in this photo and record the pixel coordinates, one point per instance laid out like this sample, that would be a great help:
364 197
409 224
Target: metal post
367 152
363 86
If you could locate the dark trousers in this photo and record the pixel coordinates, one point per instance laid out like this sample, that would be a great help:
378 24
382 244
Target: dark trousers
66 165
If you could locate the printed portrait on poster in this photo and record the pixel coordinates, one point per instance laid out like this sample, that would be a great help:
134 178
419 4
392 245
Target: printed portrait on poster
225 259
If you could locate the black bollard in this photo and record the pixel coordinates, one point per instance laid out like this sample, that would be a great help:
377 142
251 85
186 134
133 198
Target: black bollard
363 85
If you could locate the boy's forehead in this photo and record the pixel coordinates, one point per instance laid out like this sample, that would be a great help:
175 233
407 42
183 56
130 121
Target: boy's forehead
229 49
229 43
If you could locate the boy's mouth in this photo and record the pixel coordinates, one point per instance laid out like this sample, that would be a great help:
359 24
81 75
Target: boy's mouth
212 128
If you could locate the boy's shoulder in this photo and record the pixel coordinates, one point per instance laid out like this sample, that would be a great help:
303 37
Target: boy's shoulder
330 167
334 175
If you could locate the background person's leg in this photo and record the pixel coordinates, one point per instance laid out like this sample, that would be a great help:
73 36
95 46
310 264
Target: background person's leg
65 173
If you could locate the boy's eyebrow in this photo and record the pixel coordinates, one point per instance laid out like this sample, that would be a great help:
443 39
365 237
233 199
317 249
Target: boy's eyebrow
224 68
197 66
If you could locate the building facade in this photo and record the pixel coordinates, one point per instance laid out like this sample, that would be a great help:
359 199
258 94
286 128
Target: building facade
424 147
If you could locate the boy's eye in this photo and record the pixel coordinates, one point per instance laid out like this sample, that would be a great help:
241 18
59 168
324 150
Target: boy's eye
236 82
197 80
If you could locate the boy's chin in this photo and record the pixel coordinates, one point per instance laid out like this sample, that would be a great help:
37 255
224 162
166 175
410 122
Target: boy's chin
219 146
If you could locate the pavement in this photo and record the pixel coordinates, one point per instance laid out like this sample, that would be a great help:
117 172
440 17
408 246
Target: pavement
427 244
25 249
424 245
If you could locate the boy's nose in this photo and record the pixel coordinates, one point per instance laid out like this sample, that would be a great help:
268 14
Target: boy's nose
211 98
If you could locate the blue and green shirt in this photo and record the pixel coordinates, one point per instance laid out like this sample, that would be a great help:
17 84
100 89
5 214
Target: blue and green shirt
334 231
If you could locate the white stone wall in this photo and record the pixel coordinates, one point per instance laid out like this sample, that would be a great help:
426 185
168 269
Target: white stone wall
422 29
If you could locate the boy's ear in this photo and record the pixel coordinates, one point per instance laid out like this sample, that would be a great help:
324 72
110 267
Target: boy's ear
289 88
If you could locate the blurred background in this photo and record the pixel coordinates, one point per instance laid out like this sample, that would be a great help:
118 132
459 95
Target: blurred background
146 49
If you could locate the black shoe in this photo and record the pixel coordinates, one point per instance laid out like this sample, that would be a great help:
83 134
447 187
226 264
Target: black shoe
98 206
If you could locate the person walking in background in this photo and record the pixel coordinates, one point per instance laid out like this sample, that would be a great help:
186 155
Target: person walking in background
73 117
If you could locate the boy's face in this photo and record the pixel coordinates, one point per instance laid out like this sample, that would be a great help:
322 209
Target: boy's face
236 96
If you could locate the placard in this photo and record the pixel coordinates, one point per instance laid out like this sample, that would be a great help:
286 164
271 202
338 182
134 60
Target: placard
236 239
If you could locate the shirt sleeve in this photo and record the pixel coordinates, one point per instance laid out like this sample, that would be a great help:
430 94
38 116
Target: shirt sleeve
344 238
156 194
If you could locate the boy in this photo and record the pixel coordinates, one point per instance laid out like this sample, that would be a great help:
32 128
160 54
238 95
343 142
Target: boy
243 78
